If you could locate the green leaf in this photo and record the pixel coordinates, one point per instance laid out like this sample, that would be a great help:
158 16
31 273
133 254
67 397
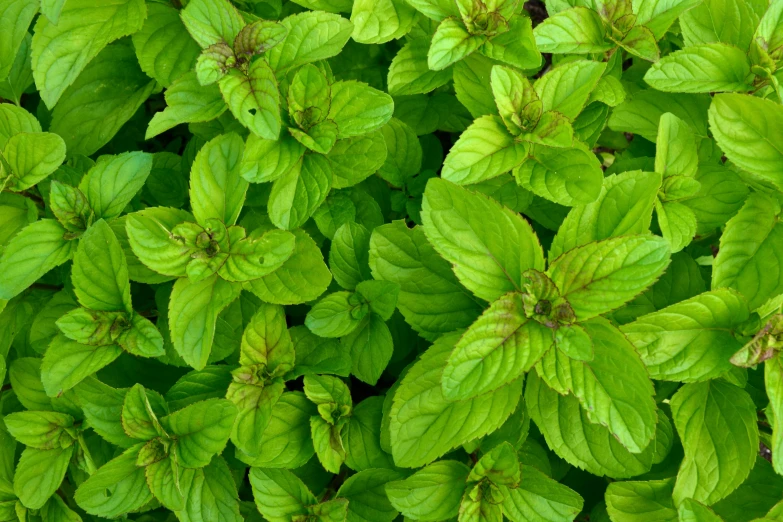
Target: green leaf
15 18
361 437
118 487
538 497
39 474
603 275
312 36
303 277
140 414
210 493
714 466
409 72
381 296
41 429
31 158
358 109
677 223
14 120
349 255
404 153
100 273
101 100
278 157
641 113
567 87
516 47
114 181
746 261
300 191
451 43
279 494
371 347
489 246
102 407
750 143
659 15
727 21
432 493
255 405
286 441
31 253
328 444
196 307
705 68
499 347
568 176
692 340
253 98
257 255
258 37
693 511
575 31
187 101
212 21
755 497
366 494
56 510
626 408
773 383
335 315
484 151
424 425
676 153
18 212
380 22
721 194
571 435
640 41
163 46
216 188
355 159
63 49
67 363
431 298
201 431
641 501
624 206
151 239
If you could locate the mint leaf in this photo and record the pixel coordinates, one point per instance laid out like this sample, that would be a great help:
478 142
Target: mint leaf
743 140
699 410
634 500
421 430
61 50
487 263
432 493
200 303
538 497
113 181
100 273
118 487
704 68
577 30
603 275
31 253
499 346
164 50
404 256
743 254
216 189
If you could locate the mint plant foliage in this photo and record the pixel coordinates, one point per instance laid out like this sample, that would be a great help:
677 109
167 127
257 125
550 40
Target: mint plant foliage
391 260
